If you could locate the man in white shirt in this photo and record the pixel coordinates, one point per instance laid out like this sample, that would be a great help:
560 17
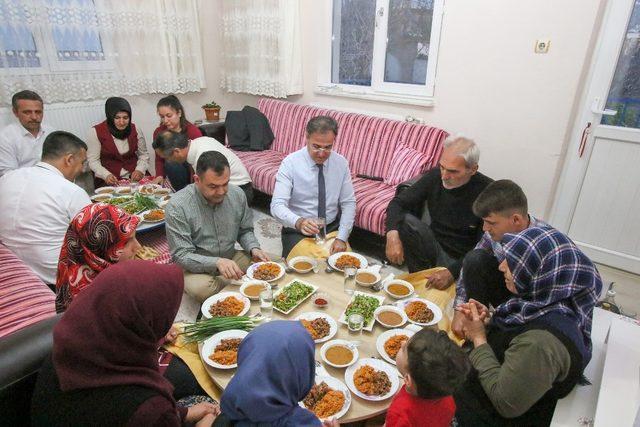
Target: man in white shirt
315 182
38 203
176 147
21 143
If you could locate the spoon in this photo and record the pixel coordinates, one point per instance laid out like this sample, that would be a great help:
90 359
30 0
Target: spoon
287 269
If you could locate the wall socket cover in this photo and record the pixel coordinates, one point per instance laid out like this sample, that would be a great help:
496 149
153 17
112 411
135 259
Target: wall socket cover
542 45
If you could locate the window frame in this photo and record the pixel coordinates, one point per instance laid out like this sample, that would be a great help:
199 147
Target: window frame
379 90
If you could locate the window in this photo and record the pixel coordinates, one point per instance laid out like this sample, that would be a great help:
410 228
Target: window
384 49
68 36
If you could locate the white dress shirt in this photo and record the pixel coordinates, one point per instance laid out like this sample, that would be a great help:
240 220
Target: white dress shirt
239 174
296 192
37 205
93 154
19 148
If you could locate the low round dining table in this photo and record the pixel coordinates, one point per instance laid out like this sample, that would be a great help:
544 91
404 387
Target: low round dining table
331 284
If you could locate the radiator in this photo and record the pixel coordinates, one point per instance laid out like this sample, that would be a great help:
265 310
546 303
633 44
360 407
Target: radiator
74 117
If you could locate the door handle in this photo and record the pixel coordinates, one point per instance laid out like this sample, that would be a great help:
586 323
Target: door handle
595 109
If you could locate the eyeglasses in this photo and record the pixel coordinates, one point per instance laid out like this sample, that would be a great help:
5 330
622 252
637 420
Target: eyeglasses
319 149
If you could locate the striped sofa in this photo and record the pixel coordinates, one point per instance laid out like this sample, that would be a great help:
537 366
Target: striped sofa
389 149
24 298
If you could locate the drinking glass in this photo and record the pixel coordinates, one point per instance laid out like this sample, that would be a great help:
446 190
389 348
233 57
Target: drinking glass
321 236
266 304
355 322
349 280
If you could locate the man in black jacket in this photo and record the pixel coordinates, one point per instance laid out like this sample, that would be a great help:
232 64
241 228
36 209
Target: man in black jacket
449 229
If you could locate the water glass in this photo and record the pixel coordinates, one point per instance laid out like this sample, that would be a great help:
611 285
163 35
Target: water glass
355 322
321 236
349 280
266 304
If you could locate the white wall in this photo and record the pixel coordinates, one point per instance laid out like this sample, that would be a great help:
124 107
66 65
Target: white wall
490 85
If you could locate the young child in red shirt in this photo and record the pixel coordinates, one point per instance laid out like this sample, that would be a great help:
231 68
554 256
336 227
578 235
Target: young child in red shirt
433 366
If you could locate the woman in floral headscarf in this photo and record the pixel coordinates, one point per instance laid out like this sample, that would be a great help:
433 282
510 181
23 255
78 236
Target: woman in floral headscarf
100 235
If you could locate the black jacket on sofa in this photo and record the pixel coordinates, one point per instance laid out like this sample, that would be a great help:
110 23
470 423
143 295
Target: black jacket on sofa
248 130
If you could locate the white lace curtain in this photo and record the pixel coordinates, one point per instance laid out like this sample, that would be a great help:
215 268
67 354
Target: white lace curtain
262 53
69 50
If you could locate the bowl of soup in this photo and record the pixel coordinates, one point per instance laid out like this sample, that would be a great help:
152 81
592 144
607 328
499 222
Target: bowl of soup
252 289
390 316
302 264
398 288
367 278
339 353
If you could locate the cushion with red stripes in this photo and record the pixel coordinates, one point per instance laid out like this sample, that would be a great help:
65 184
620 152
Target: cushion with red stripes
262 167
24 298
406 164
372 199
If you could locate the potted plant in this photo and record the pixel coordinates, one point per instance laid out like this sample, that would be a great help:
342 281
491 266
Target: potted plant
212 111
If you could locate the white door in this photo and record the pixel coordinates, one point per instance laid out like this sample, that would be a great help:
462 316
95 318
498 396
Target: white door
598 198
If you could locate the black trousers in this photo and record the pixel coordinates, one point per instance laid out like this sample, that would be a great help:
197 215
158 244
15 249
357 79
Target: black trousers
291 236
482 280
248 191
421 249
183 381
178 173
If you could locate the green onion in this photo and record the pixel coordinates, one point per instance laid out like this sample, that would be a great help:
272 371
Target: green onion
205 328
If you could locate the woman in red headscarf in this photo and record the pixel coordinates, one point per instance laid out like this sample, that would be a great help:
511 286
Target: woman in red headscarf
100 235
104 368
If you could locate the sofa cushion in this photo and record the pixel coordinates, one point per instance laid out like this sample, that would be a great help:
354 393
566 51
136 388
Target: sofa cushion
406 161
24 298
372 199
262 167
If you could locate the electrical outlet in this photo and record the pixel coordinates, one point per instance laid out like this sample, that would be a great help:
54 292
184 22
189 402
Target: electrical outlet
542 46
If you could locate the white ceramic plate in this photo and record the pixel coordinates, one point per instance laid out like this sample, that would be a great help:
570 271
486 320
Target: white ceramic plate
333 326
337 385
393 308
252 267
275 295
160 192
248 283
383 337
333 258
310 260
378 365
437 313
399 282
210 344
148 189
152 221
220 296
326 346
105 190
124 190
369 326
101 197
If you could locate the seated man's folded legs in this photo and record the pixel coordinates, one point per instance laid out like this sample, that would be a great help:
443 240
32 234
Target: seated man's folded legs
421 249
202 286
482 279
248 192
